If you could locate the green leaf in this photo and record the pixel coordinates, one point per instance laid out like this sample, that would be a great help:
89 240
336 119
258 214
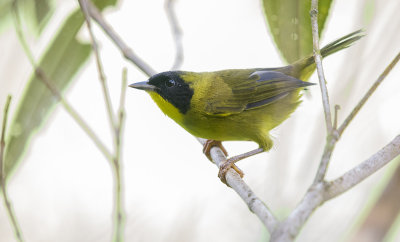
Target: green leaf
290 25
5 14
35 13
43 11
61 61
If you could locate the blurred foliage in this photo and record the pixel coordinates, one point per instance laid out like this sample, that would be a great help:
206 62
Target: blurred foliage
369 11
290 25
60 62
35 13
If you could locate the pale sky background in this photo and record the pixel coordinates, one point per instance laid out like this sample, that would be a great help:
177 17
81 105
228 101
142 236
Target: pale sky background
63 189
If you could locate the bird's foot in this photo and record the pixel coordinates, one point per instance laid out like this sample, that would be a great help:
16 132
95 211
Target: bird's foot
230 163
224 167
211 143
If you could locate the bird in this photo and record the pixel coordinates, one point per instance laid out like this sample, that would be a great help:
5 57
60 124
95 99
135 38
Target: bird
235 104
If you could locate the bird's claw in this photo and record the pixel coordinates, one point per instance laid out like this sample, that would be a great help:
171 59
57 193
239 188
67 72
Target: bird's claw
211 143
224 167
230 163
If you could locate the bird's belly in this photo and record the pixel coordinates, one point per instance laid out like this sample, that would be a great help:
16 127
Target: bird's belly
228 128
252 124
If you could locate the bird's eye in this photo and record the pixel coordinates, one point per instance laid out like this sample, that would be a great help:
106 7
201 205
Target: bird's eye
170 83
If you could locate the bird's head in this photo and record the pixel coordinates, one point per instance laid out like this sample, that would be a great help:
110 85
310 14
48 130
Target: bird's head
171 87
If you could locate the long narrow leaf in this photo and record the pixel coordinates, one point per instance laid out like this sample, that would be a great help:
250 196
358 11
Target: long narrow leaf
290 25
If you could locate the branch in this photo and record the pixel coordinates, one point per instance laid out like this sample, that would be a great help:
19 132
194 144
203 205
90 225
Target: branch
321 191
122 46
369 93
100 69
363 170
176 33
243 190
336 134
119 213
318 63
324 191
331 137
7 203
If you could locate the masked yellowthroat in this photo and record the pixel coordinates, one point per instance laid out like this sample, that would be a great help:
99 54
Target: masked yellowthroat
242 104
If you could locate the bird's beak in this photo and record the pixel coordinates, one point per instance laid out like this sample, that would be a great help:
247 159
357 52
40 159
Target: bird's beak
143 86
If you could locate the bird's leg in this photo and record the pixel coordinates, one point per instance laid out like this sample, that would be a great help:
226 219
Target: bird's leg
206 150
230 163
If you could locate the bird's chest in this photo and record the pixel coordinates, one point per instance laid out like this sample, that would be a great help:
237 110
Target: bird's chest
167 108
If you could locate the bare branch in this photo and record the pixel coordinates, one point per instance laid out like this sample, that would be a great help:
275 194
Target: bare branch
122 97
119 213
100 69
124 48
176 32
368 94
324 191
336 134
318 63
325 159
243 190
331 141
7 203
321 191
363 170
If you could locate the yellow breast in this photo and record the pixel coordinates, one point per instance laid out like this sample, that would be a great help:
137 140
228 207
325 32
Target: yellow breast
167 108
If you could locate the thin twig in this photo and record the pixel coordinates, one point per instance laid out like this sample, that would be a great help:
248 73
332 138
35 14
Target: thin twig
325 159
336 134
368 94
118 232
176 33
124 48
318 63
331 140
7 202
119 208
122 97
100 69
40 74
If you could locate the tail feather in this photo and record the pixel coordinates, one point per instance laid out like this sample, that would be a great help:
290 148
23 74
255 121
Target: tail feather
303 68
342 43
